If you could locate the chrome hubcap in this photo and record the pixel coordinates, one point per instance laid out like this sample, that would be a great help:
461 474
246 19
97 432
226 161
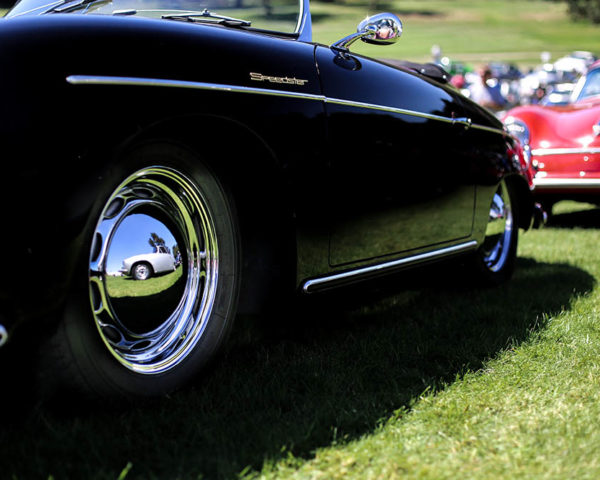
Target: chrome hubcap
496 245
141 271
160 217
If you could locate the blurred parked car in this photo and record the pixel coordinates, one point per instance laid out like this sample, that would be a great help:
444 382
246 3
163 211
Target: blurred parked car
505 71
276 166
564 142
559 94
575 63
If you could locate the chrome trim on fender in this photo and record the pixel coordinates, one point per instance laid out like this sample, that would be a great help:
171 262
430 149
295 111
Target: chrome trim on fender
575 183
323 282
158 82
464 121
542 152
401 111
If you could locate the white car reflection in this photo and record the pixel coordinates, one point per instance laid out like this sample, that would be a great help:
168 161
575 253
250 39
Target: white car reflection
144 266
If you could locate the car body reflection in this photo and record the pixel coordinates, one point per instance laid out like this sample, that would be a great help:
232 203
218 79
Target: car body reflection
145 265
146 289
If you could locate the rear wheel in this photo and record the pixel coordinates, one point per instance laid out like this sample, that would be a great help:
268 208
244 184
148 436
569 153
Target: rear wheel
122 338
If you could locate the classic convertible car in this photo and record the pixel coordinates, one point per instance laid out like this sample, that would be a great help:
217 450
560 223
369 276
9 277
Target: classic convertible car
145 265
564 143
271 164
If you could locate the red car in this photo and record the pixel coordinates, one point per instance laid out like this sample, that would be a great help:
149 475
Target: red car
564 143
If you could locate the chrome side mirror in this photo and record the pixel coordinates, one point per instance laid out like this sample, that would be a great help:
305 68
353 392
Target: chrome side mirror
380 29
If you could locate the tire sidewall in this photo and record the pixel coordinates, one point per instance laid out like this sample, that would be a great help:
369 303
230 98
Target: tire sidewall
482 271
98 370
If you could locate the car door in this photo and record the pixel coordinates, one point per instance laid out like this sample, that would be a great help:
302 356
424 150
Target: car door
399 181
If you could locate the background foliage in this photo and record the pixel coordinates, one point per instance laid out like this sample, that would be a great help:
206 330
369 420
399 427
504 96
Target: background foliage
585 9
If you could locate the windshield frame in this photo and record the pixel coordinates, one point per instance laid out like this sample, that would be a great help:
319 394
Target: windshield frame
302 32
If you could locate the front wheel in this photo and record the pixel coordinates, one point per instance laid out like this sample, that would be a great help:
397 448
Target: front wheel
495 259
121 338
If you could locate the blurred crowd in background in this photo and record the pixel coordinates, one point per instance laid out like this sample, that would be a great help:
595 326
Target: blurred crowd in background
500 86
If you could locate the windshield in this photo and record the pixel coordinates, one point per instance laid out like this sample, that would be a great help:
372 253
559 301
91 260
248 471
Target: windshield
588 86
273 15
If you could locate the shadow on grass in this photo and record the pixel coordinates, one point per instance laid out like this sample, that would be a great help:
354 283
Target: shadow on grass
580 219
329 374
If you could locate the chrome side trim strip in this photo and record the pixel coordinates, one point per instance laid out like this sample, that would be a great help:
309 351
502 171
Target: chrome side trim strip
582 183
157 82
402 111
489 129
322 282
542 152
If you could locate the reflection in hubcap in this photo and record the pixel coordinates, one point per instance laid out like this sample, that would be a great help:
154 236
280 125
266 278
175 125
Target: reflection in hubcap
153 270
496 245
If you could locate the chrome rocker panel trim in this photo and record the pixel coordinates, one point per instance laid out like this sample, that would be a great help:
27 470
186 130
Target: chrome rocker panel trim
575 183
329 281
542 152
157 82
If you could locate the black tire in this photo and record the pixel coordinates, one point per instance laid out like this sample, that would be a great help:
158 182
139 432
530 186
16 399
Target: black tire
116 345
142 271
495 259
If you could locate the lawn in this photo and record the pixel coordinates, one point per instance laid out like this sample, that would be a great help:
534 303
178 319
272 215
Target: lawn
475 31
426 376
128 287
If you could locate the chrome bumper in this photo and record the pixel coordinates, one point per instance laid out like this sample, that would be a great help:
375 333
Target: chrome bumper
576 184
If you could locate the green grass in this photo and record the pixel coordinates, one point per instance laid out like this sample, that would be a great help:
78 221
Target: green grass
425 377
157 295
428 377
128 287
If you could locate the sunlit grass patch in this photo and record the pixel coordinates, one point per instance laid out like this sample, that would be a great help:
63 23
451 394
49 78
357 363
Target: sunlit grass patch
128 287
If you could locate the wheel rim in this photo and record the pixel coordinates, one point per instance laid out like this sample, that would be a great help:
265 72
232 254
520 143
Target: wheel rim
497 242
141 272
151 326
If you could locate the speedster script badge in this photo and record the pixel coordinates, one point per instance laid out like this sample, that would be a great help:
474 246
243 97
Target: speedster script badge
259 77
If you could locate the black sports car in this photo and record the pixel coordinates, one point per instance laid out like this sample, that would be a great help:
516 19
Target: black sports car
170 162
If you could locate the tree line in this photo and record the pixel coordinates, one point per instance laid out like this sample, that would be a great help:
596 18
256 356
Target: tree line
585 9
